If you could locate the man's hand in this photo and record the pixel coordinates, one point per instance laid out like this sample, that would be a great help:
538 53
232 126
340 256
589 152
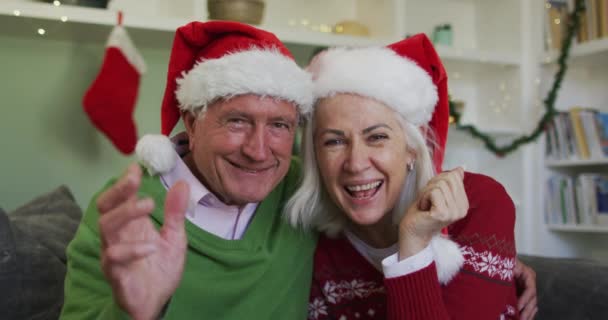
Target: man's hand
143 266
442 202
525 279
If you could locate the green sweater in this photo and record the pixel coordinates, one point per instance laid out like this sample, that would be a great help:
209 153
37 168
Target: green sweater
264 275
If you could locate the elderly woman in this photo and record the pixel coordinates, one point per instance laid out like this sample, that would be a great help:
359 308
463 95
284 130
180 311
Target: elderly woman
400 242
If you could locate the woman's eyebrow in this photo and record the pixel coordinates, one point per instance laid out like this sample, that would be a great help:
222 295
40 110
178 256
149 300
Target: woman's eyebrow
376 126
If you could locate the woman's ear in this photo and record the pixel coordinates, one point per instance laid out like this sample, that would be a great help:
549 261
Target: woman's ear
411 154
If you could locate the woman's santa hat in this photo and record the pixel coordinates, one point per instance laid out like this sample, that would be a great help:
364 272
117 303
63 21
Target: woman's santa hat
221 59
408 77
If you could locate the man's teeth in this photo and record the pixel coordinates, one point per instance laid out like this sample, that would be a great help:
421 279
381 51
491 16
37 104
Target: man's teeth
363 187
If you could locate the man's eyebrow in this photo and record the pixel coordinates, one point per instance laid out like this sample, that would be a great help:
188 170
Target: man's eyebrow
374 127
237 113
283 118
334 131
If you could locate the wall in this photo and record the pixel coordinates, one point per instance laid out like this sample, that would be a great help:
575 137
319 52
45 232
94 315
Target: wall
47 138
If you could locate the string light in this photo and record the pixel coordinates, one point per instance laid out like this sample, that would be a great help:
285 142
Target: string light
41 31
64 19
549 101
16 13
324 28
56 3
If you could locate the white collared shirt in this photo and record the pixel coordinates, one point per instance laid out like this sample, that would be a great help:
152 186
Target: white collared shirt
205 210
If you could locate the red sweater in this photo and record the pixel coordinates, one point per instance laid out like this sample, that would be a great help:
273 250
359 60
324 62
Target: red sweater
346 286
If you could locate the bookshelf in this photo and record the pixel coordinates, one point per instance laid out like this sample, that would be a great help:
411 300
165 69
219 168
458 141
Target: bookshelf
576 163
83 22
577 228
584 86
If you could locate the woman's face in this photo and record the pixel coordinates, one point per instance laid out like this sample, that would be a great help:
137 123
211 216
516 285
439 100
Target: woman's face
362 155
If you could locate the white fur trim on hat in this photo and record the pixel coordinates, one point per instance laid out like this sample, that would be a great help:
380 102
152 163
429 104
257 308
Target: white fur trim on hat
379 73
448 258
120 39
156 153
265 72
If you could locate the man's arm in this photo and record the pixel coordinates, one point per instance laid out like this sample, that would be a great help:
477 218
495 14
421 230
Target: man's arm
87 293
119 260
525 280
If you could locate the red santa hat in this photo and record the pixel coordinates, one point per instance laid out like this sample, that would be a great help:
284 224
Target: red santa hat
222 59
407 76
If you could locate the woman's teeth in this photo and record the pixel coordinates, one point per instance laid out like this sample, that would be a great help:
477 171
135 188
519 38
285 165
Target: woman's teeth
363 187
364 190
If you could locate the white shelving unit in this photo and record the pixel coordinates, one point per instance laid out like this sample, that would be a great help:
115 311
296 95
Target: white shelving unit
576 163
584 86
578 228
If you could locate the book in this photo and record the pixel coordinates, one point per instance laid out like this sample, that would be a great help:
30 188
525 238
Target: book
601 193
579 134
602 129
556 22
589 122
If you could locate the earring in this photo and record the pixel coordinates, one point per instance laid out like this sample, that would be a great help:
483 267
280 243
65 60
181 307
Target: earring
410 166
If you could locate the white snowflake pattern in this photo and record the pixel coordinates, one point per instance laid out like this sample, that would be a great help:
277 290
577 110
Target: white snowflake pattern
330 289
489 263
510 310
346 290
317 308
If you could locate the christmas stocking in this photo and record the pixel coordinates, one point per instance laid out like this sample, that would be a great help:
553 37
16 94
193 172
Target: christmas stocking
110 101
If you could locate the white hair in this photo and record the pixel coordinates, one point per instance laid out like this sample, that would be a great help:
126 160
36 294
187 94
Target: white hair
311 206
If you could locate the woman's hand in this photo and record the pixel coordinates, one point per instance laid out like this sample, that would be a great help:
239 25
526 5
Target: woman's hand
442 202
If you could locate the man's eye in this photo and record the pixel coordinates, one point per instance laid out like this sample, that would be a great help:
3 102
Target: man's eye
281 125
237 122
333 142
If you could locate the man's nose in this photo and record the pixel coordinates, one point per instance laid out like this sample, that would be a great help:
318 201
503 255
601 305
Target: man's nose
255 146
357 158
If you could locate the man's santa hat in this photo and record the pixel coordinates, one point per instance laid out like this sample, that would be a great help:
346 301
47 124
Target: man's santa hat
408 77
221 59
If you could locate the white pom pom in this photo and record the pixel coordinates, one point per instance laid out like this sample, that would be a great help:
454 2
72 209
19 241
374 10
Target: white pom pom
156 153
448 258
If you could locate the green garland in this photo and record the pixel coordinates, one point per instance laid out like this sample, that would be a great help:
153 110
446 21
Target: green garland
489 142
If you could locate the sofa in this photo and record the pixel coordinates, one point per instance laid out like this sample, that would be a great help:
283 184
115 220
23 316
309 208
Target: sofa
33 265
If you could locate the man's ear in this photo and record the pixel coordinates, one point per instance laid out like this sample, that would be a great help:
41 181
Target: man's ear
189 120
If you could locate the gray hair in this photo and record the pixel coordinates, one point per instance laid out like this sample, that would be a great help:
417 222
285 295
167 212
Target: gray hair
311 206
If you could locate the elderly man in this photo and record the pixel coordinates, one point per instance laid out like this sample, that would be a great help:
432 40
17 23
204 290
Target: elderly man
219 248
238 92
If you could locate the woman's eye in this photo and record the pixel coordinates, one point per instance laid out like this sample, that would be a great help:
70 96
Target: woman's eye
378 137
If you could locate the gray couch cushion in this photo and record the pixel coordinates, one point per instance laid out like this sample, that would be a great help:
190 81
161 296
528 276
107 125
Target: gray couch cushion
33 239
570 288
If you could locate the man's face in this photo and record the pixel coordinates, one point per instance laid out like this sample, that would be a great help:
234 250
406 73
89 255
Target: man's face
241 148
